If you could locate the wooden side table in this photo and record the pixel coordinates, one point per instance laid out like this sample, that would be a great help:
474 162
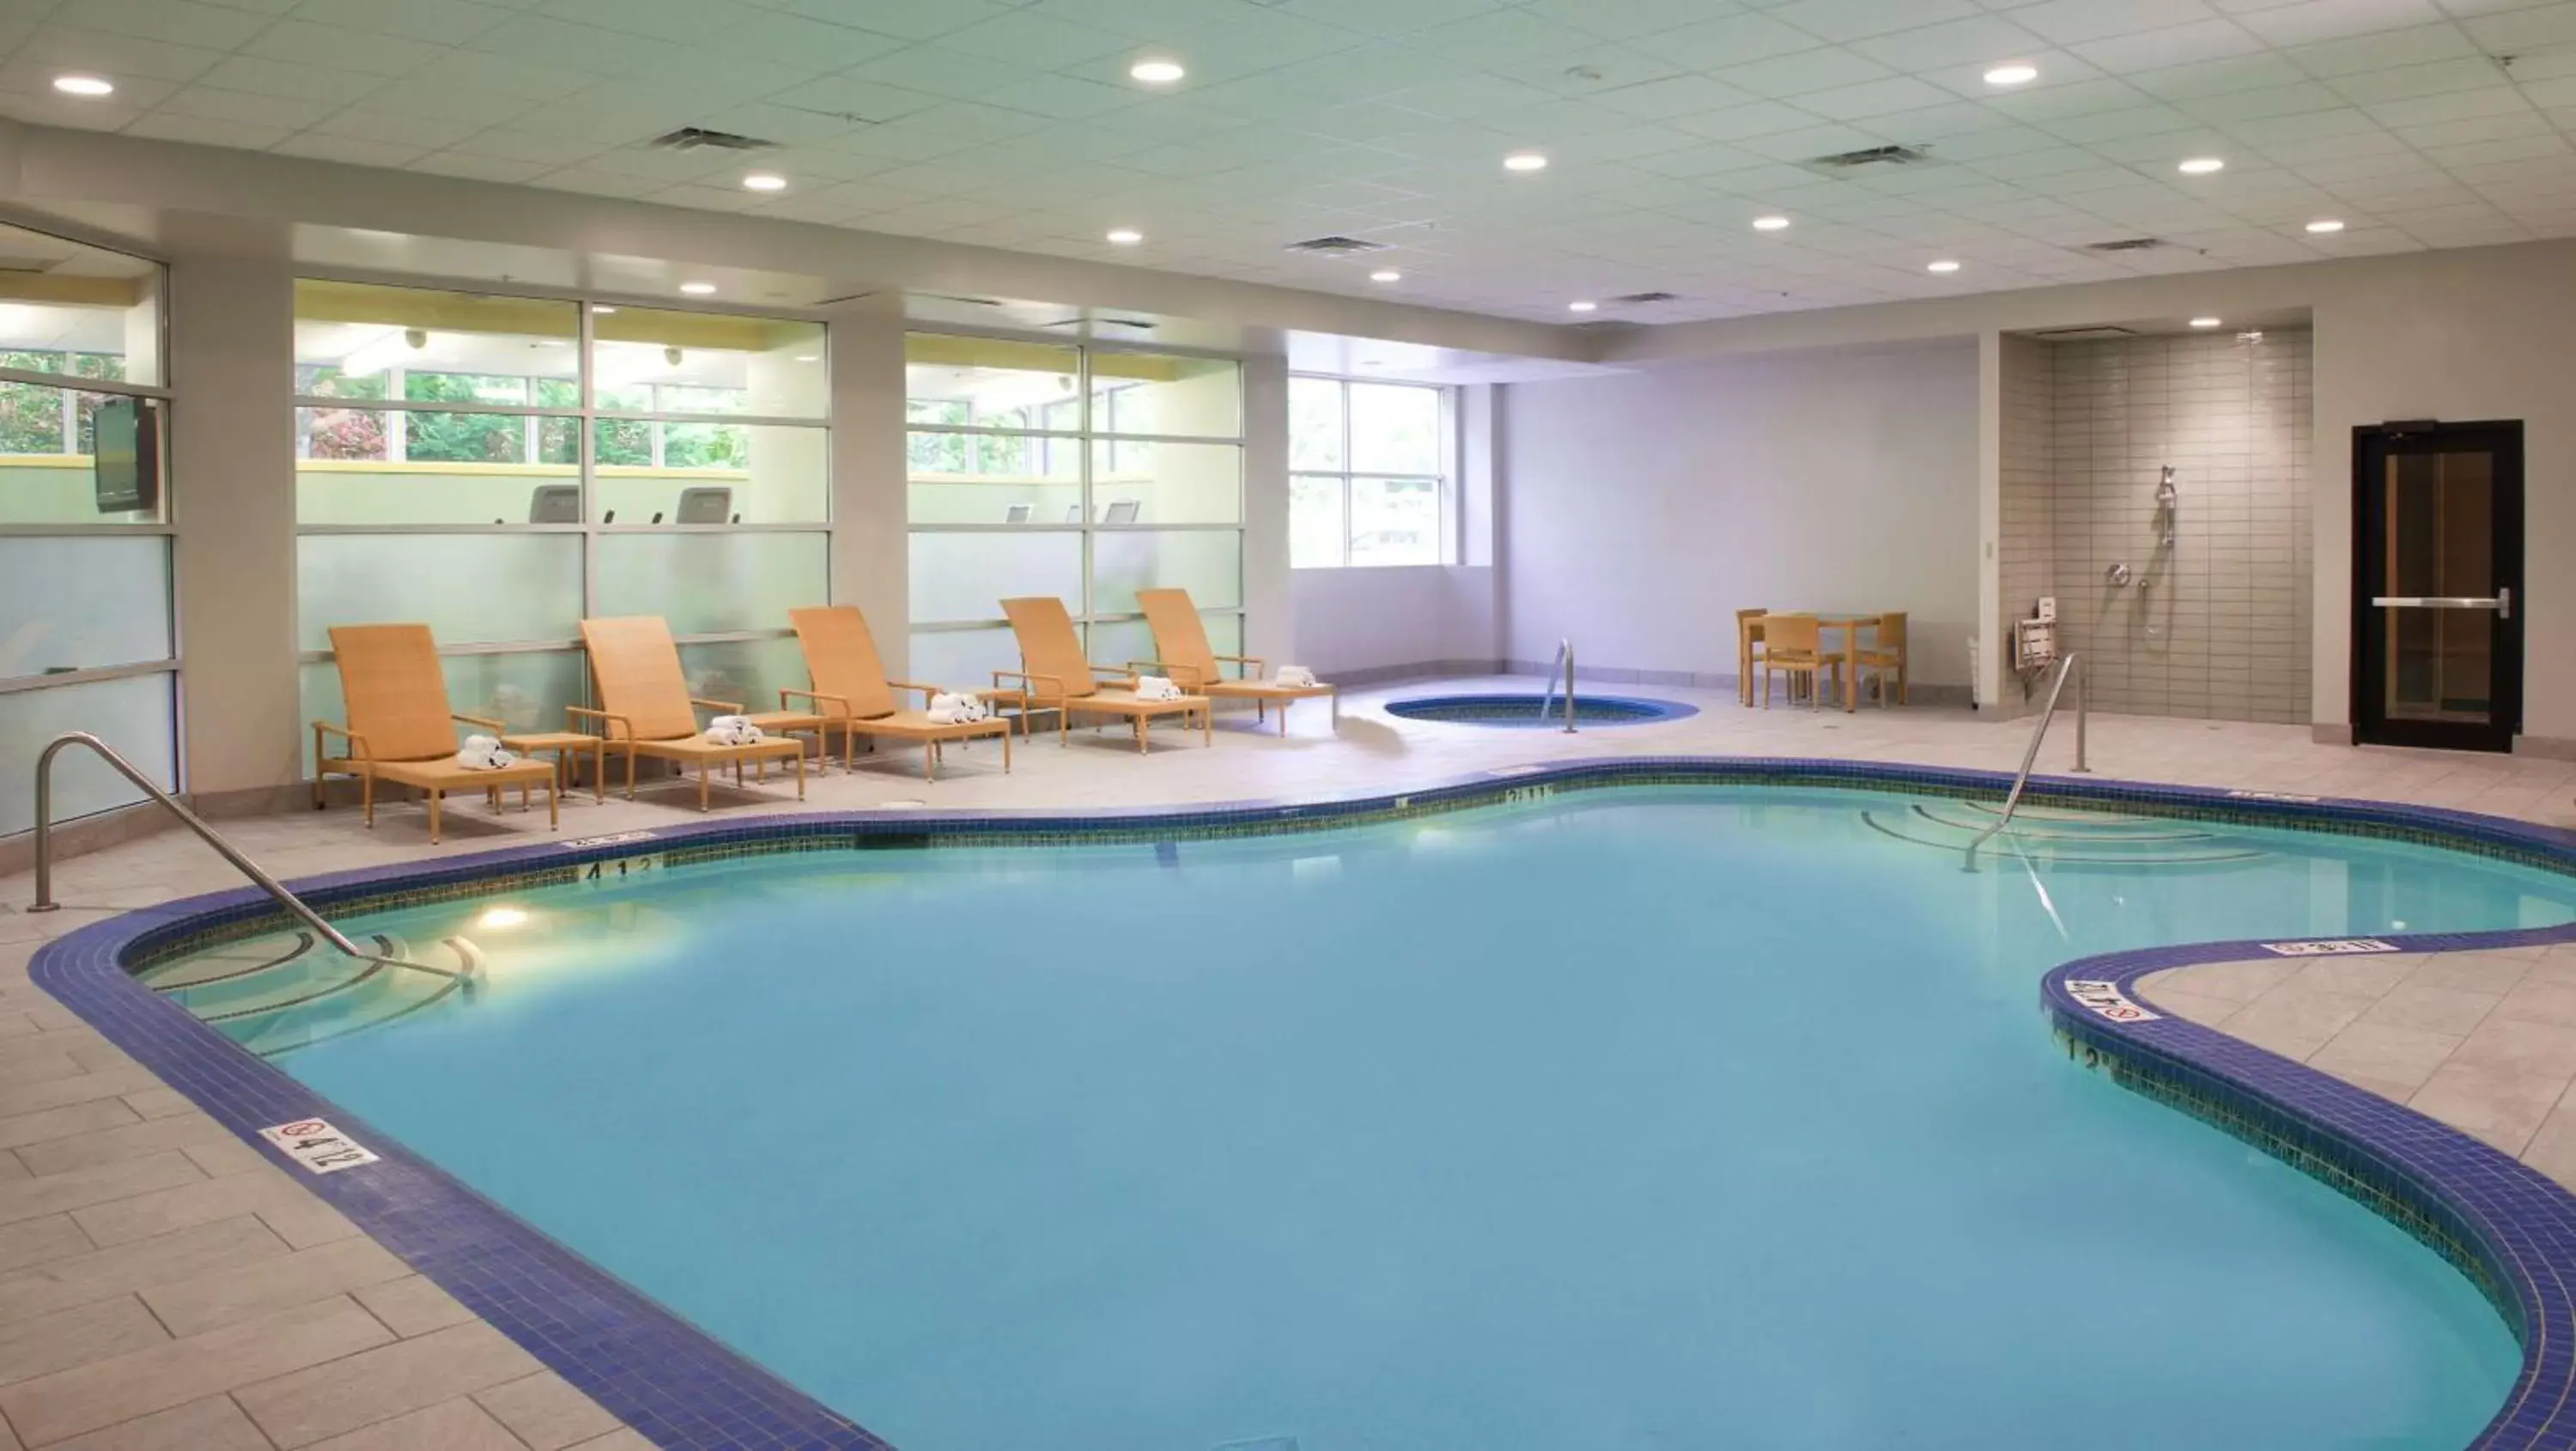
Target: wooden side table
567 747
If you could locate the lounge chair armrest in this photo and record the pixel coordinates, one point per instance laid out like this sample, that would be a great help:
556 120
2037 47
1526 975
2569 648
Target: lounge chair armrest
720 707
357 743
1184 676
613 727
1246 667
814 697
928 692
494 726
1112 672
1030 683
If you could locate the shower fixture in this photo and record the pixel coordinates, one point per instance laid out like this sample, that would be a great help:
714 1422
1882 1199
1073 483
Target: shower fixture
2167 500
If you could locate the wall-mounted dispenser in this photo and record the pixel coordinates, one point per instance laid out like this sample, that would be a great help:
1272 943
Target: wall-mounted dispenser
2168 500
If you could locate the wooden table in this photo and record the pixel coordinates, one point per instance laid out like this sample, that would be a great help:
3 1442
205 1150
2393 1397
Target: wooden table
567 746
1851 626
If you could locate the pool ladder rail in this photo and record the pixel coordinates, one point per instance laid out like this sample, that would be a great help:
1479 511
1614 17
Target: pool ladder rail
2030 756
1547 697
276 891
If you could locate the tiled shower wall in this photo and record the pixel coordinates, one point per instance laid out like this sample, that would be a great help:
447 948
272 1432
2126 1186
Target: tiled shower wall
2217 623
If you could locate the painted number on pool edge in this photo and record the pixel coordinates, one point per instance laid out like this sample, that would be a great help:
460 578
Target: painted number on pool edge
313 1143
616 868
2329 947
2105 1000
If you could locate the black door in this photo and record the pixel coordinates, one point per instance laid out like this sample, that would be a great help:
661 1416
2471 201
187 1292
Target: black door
2437 584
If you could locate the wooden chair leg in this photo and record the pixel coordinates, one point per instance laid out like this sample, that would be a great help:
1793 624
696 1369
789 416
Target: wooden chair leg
434 798
367 797
800 775
702 783
554 806
1006 750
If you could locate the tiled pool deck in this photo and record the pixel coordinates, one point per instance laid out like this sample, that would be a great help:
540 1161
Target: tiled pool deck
162 1285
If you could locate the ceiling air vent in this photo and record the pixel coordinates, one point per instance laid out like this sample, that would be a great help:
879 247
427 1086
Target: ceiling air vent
2128 244
697 138
1874 156
2082 334
1336 246
1645 299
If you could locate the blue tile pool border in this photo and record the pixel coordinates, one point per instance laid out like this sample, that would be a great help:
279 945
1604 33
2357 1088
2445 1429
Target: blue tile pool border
2509 1228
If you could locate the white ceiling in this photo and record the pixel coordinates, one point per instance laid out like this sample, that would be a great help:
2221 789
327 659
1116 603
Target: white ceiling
1670 123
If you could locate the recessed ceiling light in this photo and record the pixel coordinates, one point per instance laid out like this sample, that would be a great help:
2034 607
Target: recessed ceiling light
602 311
2205 322
697 289
2324 225
1944 265
2015 74
1525 161
764 181
809 357
1125 236
1770 224
1156 72
1386 274
2202 166
1581 306
78 85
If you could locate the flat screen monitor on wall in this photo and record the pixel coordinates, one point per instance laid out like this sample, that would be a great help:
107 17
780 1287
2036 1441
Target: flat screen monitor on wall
125 456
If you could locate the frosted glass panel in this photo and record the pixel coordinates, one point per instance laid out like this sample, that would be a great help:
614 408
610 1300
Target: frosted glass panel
133 715
78 604
708 584
967 576
468 588
1206 562
979 478
747 672
1184 397
1168 483
961 657
525 692
1119 642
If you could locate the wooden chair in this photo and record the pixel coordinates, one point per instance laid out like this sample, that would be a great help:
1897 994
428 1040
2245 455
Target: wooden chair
646 709
1795 644
1884 654
1181 642
1054 675
1748 634
400 728
852 696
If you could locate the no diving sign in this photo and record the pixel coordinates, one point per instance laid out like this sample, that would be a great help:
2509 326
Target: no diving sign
2105 1000
313 1143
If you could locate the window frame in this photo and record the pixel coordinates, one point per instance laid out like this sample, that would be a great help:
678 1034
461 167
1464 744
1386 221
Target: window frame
1444 482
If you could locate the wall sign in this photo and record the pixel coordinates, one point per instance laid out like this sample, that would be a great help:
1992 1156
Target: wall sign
584 843
2329 947
2274 796
320 1148
2105 1000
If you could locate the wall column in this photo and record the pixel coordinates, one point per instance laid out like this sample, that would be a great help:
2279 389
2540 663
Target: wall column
232 496
1270 618
870 555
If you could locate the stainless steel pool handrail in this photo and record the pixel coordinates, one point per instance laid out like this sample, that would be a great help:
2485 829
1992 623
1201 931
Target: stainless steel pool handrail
277 892
1547 696
2030 756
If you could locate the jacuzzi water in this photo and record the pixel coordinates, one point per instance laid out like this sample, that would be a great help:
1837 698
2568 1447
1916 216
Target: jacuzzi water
1655 1118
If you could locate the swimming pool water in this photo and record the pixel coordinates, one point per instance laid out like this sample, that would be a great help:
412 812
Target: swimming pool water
1654 1118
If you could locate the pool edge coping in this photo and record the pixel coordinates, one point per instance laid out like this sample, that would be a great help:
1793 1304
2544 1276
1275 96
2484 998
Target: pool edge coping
685 1390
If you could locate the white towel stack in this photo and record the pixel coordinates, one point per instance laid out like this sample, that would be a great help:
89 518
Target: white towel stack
946 709
1156 687
484 753
732 730
1292 675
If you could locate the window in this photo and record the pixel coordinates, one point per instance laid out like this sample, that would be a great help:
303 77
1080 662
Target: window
1368 473
501 467
85 627
1086 473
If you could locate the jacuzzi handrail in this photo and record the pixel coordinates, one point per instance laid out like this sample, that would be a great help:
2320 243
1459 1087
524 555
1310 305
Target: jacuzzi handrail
277 892
2030 756
1547 696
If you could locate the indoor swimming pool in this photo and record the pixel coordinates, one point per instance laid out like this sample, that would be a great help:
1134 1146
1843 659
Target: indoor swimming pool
1654 1117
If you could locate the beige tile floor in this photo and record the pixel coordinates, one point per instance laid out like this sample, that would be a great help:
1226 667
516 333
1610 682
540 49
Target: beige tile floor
162 1287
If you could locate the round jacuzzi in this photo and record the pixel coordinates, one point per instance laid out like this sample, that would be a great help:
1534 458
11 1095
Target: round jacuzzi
1523 710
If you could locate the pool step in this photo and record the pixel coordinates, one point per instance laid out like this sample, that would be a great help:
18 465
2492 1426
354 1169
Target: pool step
2074 837
287 990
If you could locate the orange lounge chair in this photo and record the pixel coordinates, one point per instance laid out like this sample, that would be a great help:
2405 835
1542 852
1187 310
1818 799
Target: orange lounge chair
852 696
1055 676
646 708
400 728
1180 639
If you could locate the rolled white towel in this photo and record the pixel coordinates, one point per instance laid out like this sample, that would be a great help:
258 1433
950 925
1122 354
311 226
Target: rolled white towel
1292 675
732 730
482 753
1156 687
946 709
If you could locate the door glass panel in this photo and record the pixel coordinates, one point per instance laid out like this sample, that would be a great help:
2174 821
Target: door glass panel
2440 511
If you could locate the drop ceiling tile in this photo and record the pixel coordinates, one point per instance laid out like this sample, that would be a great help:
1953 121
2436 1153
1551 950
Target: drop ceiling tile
2117 128
2504 125
368 124
45 107
1034 42
856 100
1805 72
2385 50
806 45
2452 106
950 73
1590 74
2256 105
2320 20
2068 22
2521 30
64 47
1874 98
1496 37
509 75
162 126
275 78
2409 82
444 22
1976 40
906 19
175 22
1730 40
220 105
1843 21
1466 96
2082 98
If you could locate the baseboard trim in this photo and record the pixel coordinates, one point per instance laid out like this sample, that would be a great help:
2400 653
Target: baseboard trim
2546 748
1417 670
2331 733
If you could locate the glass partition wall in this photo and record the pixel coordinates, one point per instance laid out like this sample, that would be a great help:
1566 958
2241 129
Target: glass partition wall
1083 472
86 635
500 467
